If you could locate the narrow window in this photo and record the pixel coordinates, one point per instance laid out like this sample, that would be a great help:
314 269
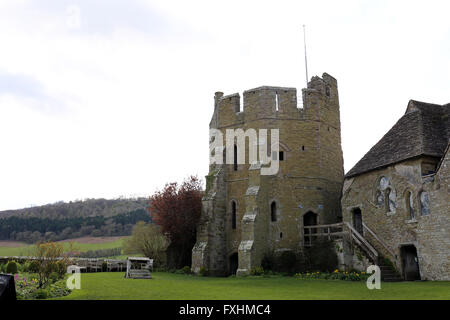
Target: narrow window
233 215
281 156
386 200
235 164
327 91
273 211
281 235
303 148
410 205
276 102
424 203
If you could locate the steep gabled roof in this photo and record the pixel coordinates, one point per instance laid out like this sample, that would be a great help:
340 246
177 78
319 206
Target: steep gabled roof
424 130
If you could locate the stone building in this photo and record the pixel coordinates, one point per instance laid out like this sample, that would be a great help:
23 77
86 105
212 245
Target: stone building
246 214
397 195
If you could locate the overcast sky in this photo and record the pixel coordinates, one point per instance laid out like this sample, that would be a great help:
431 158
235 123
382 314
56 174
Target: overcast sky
113 98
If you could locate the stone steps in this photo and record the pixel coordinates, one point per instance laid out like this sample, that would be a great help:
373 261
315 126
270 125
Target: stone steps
388 274
139 274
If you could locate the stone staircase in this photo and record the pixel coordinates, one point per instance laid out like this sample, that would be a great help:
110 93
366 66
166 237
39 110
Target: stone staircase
139 274
388 274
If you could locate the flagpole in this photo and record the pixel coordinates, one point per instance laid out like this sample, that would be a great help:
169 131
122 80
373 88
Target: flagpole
306 61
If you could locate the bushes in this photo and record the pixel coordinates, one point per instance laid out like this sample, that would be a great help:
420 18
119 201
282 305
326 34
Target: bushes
321 256
268 262
11 267
186 270
258 271
335 275
54 276
203 272
33 267
287 261
41 294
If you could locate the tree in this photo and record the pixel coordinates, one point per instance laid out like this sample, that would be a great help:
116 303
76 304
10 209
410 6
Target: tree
177 210
50 258
148 240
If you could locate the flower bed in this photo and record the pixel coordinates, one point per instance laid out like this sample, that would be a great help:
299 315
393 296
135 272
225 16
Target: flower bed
335 275
27 288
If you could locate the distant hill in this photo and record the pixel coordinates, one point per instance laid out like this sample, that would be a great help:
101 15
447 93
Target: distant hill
81 208
64 220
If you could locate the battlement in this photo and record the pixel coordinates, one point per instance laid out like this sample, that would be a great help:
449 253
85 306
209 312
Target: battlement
273 101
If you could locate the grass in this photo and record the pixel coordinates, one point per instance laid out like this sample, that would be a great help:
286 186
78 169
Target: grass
100 286
26 249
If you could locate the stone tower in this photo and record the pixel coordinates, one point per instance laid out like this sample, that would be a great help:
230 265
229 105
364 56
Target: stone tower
245 214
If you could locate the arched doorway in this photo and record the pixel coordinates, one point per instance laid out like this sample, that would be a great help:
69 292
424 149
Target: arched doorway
410 263
309 219
234 263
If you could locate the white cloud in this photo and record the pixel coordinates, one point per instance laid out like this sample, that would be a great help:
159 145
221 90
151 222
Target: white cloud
121 104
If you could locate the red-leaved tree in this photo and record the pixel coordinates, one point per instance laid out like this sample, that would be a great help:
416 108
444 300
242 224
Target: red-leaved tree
177 210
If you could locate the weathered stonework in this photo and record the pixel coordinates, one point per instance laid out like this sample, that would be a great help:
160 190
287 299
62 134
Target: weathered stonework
309 179
417 213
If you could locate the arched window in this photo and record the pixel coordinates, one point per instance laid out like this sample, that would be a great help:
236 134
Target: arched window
389 200
410 205
424 203
233 215
273 211
387 194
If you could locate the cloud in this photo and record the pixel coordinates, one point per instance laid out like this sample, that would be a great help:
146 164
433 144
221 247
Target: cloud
31 92
88 17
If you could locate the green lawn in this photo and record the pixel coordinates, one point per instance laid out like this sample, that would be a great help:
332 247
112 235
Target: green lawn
26 249
97 286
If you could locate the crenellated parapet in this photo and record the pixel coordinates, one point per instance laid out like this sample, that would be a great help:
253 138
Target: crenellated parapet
270 102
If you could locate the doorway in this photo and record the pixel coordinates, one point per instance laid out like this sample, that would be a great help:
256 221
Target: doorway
309 219
234 263
357 220
410 263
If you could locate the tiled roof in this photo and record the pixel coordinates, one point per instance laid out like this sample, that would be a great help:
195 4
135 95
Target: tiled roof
423 130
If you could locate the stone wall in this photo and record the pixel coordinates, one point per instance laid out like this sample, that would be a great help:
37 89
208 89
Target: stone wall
392 220
309 178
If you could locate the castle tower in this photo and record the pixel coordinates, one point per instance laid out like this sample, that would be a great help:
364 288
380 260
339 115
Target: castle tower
246 214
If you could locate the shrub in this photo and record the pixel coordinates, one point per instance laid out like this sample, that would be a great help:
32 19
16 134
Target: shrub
186 270
11 267
33 267
257 271
104 266
48 258
321 256
41 294
287 261
335 275
60 268
24 267
3 268
54 276
203 272
148 240
268 262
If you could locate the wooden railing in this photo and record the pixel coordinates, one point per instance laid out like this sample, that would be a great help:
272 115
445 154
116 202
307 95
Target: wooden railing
322 230
383 244
339 229
356 237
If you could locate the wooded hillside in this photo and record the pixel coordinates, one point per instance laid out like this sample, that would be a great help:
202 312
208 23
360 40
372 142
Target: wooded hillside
59 221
